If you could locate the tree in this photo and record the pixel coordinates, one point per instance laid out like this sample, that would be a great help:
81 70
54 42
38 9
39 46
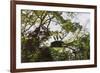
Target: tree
35 31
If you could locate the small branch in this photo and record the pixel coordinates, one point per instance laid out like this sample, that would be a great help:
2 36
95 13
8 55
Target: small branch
50 18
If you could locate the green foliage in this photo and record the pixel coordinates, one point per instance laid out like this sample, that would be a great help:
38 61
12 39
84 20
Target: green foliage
58 17
68 26
58 55
27 17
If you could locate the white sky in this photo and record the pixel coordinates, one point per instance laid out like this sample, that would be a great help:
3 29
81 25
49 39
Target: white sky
84 20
